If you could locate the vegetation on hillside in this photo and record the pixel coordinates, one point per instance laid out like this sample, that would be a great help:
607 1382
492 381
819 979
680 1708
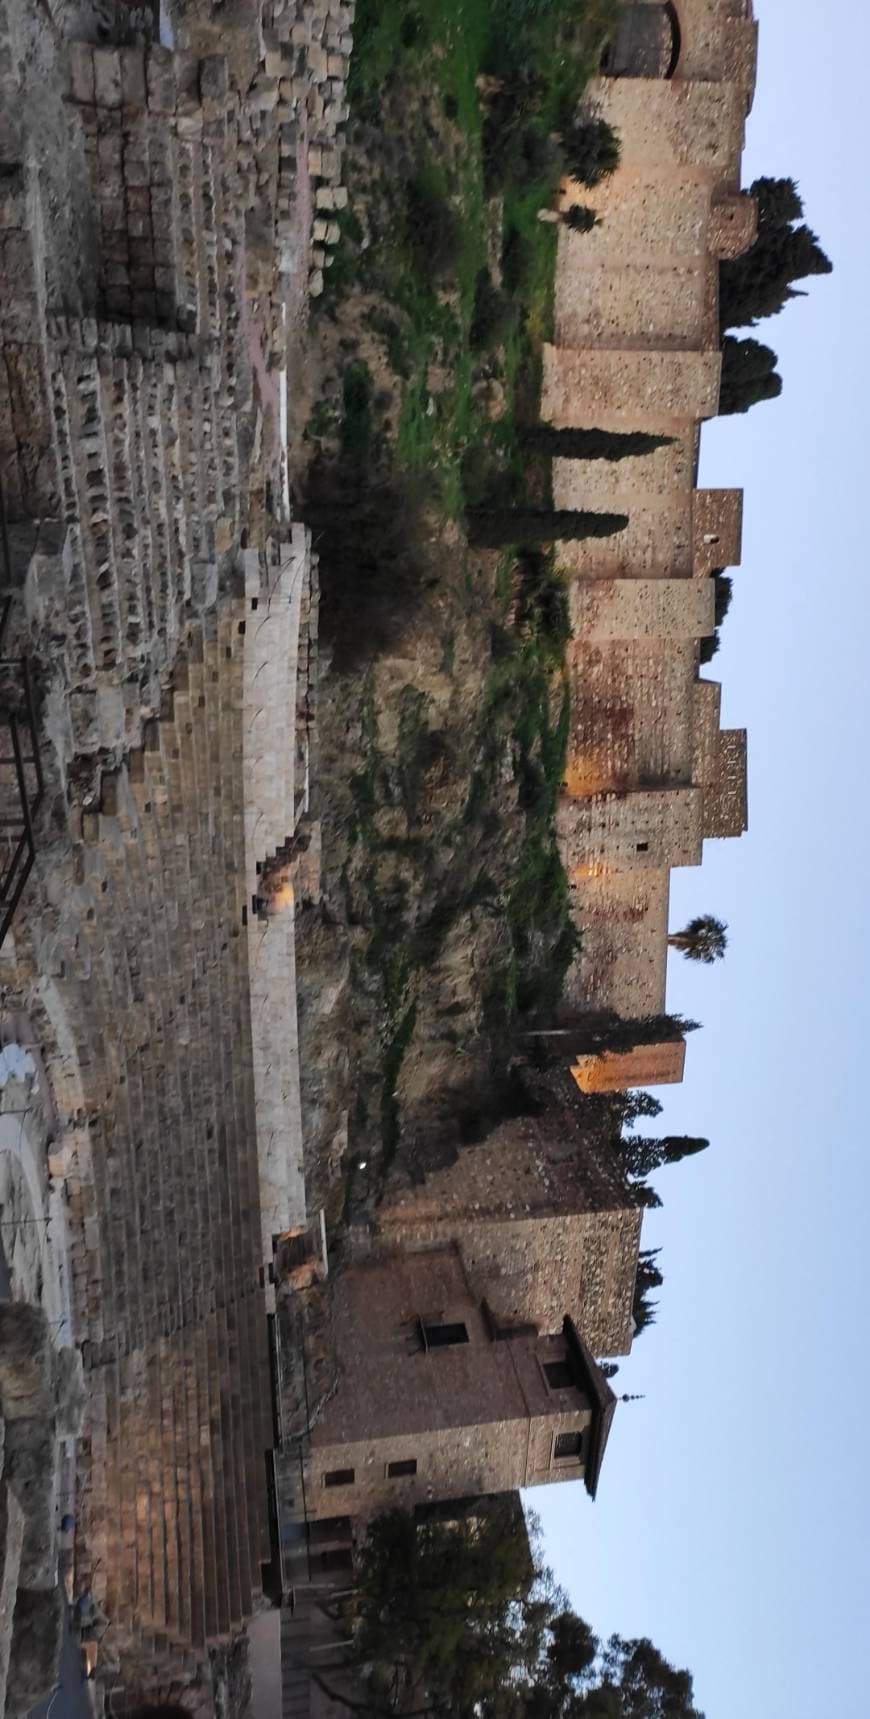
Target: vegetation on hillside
443 742
462 1618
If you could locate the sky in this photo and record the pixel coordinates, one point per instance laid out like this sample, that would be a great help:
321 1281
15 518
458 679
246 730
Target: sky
732 1524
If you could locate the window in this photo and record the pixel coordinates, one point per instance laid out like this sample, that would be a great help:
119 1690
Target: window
643 847
559 1375
398 1470
339 1477
438 1336
568 1447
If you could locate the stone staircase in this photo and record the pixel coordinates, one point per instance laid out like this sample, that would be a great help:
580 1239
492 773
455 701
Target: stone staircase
166 1253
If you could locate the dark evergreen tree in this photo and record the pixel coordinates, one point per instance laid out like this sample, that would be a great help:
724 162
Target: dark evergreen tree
641 1156
591 151
760 283
494 527
580 218
648 1278
571 444
722 594
749 374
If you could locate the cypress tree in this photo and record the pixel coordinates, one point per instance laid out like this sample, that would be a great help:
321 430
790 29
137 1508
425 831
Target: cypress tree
759 283
492 528
749 374
571 444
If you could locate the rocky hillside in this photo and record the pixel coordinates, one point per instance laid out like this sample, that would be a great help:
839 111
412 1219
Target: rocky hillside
444 917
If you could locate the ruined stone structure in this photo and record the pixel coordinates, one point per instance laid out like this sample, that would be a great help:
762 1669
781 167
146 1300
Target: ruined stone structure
167 608
650 774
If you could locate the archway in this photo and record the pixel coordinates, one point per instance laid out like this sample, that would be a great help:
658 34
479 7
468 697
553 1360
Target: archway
647 44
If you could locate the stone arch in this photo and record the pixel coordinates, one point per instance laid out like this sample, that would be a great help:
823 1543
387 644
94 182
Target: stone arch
648 43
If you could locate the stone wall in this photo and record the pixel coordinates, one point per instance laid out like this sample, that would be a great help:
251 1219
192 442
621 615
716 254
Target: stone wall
542 1222
477 1416
170 610
648 774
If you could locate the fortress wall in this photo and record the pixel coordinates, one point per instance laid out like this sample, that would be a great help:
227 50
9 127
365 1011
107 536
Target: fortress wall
667 124
631 715
719 40
717 528
613 486
650 216
622 917
647 828
653 609
655 544
663 392
647 305
706 701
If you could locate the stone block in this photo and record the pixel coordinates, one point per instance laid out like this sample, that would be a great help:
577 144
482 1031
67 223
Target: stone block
11 1543
26 1361
37 1634
317 63
81 72
32 1471
162 93
107 77
133 87
213 86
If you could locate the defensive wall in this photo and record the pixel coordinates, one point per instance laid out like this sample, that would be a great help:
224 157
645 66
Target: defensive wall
650 775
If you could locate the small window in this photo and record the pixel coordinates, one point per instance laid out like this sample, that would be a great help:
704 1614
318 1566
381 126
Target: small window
398 1470
442 1336
559 1375
569 1446
643 847
339 1477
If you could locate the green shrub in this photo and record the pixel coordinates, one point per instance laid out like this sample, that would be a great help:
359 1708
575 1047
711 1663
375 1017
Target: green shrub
433 228
517 263
580 218
591 151
493 316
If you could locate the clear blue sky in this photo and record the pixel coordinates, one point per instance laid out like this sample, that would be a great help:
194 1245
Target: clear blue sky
733 1518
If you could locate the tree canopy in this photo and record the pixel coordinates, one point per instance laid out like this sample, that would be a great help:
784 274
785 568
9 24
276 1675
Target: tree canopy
760 283
649 1277
749 374
462 1619
705 938
641 1155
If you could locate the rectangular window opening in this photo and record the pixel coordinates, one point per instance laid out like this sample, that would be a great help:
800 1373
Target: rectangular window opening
439 1336
398 1470
559 1375
339 1477
643 847
568 1447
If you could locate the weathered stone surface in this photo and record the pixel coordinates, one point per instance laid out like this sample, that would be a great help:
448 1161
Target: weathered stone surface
36 1642
26 1362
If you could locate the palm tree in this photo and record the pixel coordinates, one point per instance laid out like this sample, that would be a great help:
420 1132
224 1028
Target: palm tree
703 939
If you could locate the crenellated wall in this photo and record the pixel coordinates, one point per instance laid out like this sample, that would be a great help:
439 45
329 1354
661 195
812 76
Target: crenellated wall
648 774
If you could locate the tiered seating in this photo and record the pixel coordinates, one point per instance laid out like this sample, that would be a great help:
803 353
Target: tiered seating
171 1514
144 483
